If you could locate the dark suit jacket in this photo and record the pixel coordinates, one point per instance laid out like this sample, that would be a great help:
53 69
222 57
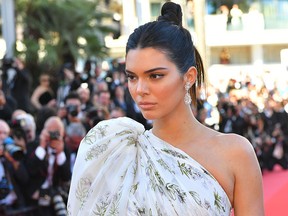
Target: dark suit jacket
38 169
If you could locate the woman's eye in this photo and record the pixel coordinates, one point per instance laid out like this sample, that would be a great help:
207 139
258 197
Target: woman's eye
156 76
130 77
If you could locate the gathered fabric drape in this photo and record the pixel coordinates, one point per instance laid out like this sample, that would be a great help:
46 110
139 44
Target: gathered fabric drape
121 169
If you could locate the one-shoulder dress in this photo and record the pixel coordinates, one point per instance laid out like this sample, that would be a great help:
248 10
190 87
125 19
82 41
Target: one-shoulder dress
123 169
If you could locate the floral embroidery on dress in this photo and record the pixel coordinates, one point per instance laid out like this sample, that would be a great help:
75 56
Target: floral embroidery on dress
121 169
83 189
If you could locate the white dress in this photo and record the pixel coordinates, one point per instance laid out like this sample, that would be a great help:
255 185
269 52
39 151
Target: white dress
121 169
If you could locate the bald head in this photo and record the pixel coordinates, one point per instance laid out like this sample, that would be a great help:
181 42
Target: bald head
54 123
17 112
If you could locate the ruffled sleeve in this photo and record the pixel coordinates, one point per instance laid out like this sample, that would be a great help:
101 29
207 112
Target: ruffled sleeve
106 151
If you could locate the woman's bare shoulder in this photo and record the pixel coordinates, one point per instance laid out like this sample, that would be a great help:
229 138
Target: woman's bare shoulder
240 159
232 143
232 150
237 151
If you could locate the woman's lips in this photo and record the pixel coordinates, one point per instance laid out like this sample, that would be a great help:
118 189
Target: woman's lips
146 105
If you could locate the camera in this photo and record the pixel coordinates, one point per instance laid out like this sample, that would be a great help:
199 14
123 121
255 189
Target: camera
18 123
59 205
8 63
17 129
72 110
54 135
14 150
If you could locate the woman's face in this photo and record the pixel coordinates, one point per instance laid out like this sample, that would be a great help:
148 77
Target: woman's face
154 83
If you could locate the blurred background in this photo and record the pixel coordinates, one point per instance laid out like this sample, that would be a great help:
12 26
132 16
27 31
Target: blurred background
67 58
233 36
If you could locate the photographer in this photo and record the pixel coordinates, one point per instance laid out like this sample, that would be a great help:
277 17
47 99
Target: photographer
75 129
73 106
23 128
49 168
75 132
13 174
7 106
17 82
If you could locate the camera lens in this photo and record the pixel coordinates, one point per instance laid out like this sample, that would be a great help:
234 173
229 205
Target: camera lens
14 150
59 206
72 110
54 135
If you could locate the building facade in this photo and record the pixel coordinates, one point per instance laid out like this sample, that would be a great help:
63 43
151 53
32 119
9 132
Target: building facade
236 32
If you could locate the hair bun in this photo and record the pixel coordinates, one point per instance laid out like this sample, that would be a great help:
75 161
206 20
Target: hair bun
172 13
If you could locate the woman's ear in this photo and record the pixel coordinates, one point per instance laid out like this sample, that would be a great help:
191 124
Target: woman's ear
191 75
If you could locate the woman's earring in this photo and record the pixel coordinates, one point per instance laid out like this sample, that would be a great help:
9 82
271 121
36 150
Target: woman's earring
187 97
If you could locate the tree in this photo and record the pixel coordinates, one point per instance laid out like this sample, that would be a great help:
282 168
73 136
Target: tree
59 31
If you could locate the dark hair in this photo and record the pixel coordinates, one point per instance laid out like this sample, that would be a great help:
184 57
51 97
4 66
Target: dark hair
72 95
42 115
169 36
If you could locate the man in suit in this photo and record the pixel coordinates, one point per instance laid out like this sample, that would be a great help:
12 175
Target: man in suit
49 167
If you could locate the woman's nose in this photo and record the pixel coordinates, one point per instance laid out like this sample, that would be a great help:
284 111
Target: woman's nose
142 87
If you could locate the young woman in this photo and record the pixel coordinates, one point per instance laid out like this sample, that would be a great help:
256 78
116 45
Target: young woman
43 94
179 167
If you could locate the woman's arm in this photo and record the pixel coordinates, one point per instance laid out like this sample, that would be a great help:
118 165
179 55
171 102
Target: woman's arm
35 97
248 190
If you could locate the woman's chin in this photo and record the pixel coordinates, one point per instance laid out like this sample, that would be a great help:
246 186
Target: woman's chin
149 116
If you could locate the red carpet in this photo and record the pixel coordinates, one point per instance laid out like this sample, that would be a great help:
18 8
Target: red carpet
275 186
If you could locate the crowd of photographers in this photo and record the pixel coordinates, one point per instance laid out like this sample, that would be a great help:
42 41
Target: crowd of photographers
39 138
261 116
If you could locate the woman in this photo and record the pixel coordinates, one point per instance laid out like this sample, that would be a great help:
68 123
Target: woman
43 94
179 167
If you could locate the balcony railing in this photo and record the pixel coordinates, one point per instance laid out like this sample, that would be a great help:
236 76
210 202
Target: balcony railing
267 15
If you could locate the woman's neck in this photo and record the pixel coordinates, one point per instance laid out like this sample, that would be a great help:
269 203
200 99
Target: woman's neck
177 129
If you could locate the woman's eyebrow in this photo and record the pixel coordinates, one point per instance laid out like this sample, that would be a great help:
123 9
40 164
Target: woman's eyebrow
148 71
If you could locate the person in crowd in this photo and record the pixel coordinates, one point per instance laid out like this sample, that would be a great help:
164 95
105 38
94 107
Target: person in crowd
13 173
7 106
280 145
48 165
72 104
231 121
17 82
119 98
26 123
43 94
88 75
42 115
94 116
74 133
115 81
85 97
169 169
261 142
74 127
16 113
117 112
66 77
101 85
104 100
236 17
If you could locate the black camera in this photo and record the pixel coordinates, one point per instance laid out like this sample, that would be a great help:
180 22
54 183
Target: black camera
18 123
54 135
17 128
14 150
8 62
72 110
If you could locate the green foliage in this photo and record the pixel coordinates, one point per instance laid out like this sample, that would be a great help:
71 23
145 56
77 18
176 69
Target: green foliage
52 28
